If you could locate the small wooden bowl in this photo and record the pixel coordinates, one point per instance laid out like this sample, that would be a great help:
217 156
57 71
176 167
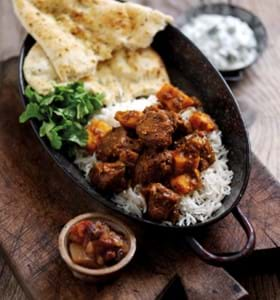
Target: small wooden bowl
96 275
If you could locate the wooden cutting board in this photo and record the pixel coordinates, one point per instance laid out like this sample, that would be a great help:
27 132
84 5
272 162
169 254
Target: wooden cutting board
37 199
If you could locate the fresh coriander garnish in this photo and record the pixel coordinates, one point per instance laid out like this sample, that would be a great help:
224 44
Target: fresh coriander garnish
63 113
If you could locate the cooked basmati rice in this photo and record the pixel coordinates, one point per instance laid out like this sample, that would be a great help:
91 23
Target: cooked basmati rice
85 162
137 206
197 207
107 114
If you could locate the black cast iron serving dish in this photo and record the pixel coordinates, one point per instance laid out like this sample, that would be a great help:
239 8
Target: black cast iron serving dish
193 73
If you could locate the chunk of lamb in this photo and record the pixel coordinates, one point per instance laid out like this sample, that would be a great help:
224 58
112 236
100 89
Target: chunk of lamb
182 127
197 143
174 99
118 145
153 167
155 128
109 177
161 201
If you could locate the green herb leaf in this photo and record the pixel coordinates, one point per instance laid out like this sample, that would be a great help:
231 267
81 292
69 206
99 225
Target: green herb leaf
32 111
55 139
76 134
47 100
63 112
51 131
46 128
29 92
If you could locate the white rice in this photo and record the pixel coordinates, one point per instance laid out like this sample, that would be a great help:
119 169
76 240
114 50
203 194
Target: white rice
131 201
85 162
196 207
107 114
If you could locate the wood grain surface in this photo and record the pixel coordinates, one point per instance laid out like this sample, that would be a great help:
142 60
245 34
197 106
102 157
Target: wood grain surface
258 97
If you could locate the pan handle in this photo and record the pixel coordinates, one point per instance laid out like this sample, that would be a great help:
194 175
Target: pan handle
222 259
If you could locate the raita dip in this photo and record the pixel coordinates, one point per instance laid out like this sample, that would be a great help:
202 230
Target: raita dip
228 42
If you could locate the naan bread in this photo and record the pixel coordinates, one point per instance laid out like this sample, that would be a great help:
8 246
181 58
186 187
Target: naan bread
77 34
140 72
70 57
38 71
127 75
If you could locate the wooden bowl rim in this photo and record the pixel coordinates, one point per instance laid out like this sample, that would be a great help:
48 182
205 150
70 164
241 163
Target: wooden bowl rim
120 226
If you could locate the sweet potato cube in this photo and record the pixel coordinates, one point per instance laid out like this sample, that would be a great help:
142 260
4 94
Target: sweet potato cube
80 257
180 161
185 162
184 184
175 100
202 121
129 119
96 130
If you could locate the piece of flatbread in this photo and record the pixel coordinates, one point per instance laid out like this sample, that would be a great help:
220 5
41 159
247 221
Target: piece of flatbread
127 75
77 34
38 71
70 57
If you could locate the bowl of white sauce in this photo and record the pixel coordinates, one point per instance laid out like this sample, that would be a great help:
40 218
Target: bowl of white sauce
231 37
